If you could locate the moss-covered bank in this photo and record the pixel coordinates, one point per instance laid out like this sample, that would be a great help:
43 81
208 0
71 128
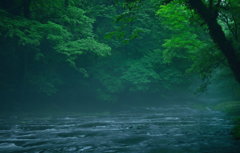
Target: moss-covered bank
231 108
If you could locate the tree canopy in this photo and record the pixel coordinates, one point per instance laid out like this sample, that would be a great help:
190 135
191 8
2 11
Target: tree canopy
107 51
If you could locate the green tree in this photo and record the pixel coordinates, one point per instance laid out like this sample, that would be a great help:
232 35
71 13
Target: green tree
42 44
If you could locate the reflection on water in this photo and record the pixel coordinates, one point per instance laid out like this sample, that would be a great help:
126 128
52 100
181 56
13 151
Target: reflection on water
175 129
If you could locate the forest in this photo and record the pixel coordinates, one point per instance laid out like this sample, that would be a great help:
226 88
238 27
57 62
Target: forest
105 52
90 55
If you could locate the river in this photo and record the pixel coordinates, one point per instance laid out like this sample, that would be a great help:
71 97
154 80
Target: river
168 129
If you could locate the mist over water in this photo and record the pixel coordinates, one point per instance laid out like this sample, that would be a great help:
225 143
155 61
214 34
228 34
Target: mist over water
183 123
170 129
119 76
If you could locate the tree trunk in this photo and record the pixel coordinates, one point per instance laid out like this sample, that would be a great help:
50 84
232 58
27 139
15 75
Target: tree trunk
26 8
218 36
11 7
66 3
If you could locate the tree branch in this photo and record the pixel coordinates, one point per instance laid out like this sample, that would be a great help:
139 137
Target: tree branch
218 36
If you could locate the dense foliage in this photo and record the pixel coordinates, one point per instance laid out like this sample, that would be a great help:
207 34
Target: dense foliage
79 51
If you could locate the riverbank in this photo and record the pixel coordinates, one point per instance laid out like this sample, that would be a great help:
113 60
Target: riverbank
232 109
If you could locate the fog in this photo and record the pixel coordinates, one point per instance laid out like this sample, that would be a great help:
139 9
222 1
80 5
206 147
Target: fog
126 76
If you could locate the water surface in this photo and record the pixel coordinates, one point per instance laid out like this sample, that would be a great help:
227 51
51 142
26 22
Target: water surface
173 129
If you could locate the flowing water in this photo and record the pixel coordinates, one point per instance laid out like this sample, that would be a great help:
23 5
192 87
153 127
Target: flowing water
173 129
